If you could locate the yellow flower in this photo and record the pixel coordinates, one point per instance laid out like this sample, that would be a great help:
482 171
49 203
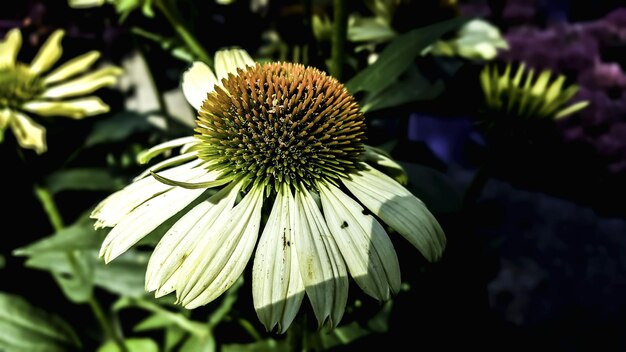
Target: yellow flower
525 95
283 140
31 88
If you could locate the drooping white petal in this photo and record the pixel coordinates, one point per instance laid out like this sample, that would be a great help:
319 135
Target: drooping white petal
145 218
277 288
49 53
116 206
28 133
322 269
183 238
381 158
216 263
197 82
9 47
158 149
86 84
228 61
168 163
363 242
76 109
72 67
400 209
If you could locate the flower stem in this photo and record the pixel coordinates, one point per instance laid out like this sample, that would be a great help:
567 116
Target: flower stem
56 220
173 17
340 33
49 206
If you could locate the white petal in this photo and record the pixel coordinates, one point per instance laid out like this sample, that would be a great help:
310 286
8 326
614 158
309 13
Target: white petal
277 288
215 265
400 209
158 149
10 47
198 81
168 163
228 61
378 156
363 242
76 109
49 53
180 240
72 67
29 134
86 84
144 219
321 267
111 210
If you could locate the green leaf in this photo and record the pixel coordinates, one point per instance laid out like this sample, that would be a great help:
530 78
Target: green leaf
91 179
346 334
369 29
411 87
398 55
260 346
200 344
78 236
2 261
73 271
125 275
173 336
24 327
132 344
118 127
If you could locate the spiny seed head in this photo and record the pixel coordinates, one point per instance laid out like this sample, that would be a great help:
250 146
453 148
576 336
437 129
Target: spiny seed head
282 123
18 85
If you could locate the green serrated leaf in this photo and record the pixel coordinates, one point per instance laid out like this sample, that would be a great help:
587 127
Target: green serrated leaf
26 328
91 179
132 345
118 127
398 55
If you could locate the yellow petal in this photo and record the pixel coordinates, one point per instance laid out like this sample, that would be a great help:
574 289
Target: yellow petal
83 4
9 47
72 67
104 77
5 118
76 109
49 53
28 133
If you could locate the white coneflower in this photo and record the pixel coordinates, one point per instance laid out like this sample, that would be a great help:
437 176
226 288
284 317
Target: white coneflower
286 139
30 88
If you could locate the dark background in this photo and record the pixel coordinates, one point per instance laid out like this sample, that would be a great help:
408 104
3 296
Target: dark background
537 260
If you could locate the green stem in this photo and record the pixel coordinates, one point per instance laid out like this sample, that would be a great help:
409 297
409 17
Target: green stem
173 17
340 33
54 215
49 206
246 325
